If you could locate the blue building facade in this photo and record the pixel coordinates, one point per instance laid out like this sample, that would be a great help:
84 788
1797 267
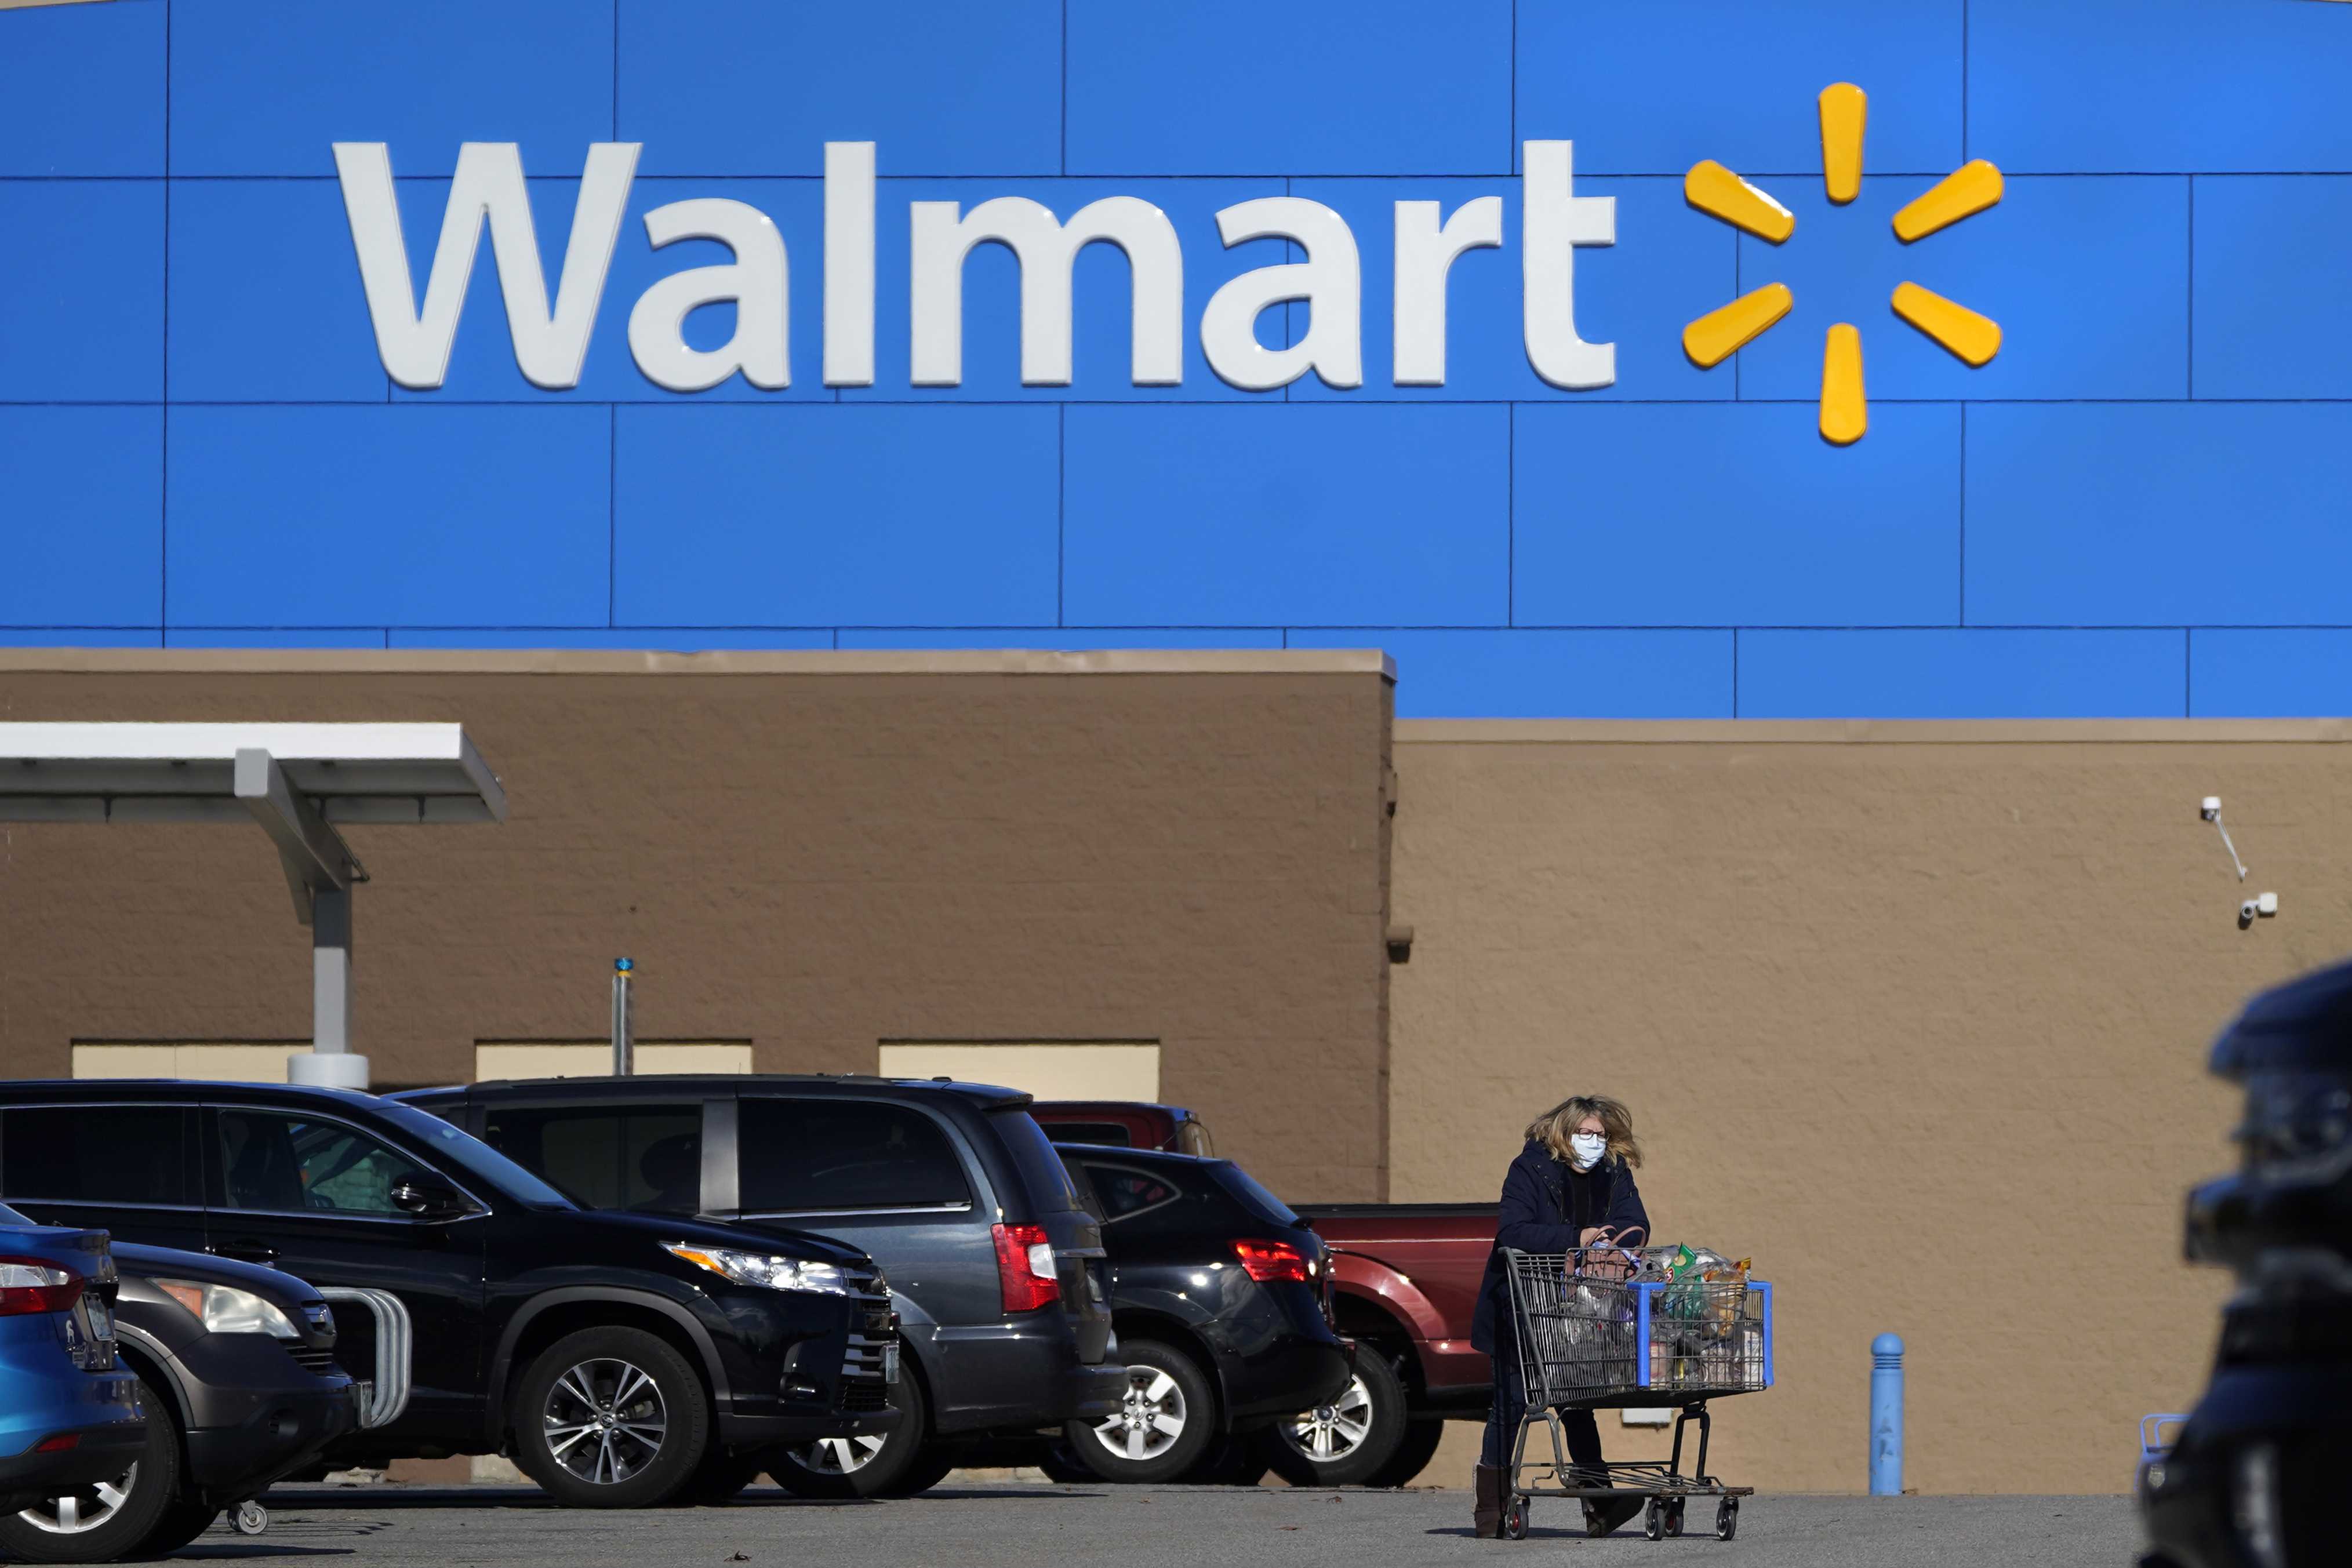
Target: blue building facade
2135 509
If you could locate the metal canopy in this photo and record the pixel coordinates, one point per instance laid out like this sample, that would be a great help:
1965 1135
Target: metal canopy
298 781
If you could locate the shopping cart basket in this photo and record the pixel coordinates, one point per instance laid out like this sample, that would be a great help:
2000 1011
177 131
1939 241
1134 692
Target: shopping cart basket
1607 1328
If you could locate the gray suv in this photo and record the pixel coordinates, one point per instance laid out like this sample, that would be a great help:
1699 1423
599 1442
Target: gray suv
996 1266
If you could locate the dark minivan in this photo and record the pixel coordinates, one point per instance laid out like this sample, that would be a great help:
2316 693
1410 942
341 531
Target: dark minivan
998 1269
596 1348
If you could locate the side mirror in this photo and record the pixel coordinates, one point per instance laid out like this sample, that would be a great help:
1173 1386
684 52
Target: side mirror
428 1199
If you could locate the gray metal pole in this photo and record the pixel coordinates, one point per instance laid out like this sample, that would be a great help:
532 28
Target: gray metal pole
624 1049
331 1062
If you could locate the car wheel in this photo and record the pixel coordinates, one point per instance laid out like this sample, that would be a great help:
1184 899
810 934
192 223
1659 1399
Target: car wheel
611 1417
110 1518
1412 1455
1162 1426
857 1466
182 1522
1064 1467
928 1467
721 1476
1346 1442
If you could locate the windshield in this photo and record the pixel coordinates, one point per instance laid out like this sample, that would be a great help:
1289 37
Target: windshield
10 1216
474 1156
1262 1203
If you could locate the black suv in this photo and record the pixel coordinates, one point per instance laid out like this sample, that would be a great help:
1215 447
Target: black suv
597 1348
998 1266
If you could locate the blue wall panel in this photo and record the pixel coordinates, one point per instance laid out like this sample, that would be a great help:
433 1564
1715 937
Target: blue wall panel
1729 515
663 639
82 284
1066 640
828 517
266 299
1289 86
378 517
2286 671
1549 674
267 87
2274 317
81 518
274 637
1651 87
751 86
1305 515
1973 673
2088 279
81 90
2201 85
2061 531
2140 515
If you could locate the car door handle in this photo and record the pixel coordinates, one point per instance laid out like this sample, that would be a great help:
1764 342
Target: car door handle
245 1249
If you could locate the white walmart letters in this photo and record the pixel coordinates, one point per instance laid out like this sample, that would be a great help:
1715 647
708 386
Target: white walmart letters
551 346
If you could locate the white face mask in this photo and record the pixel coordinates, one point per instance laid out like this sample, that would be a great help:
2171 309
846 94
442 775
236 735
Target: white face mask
1585 1149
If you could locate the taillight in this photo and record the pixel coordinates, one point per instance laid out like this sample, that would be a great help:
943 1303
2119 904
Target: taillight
1024 1267
35 1285
1267 1260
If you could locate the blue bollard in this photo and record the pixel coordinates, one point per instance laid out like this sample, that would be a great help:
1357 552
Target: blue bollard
1886 1416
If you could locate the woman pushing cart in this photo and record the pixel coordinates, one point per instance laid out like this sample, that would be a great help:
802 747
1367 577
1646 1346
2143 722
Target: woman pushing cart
1579 1315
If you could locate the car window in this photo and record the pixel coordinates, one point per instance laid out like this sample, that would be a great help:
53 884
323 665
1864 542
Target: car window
1128 1195
1105 1134
1192 1138
473 1157
1040 1163
274 1162
133 1155
1083 1185
800 1155
642 1157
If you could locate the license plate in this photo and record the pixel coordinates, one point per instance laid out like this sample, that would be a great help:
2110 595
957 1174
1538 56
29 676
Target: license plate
890 1362
90 1335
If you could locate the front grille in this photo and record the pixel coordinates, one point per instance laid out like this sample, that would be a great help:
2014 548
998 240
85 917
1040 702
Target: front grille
316 1360
864 1393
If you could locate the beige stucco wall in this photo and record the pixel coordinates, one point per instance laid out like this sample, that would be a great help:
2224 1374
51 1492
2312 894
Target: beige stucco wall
1915 1014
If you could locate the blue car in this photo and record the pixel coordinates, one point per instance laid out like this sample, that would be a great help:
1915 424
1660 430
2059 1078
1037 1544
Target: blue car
69 1412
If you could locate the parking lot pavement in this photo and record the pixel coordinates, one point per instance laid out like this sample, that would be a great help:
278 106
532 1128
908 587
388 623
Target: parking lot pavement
485 1527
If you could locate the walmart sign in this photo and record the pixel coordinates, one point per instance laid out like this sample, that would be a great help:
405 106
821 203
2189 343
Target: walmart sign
550 346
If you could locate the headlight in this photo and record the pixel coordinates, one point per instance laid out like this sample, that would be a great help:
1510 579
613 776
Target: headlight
763 1269
225 1309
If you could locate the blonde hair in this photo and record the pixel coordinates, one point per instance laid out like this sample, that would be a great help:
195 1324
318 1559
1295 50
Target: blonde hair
1553 1128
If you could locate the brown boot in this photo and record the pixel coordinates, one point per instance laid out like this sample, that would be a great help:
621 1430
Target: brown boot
1486 1515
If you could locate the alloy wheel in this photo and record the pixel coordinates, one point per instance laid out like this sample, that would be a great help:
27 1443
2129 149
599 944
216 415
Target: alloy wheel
85 1508
838 1456
604 1420
1333 1431
1149 1420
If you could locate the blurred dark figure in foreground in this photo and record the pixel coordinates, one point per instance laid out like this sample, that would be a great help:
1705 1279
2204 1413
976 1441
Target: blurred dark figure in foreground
2256 1478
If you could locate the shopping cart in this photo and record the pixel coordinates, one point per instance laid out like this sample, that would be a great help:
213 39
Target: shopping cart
1607 1328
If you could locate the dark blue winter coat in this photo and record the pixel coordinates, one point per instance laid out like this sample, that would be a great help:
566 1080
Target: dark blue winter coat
1534 1218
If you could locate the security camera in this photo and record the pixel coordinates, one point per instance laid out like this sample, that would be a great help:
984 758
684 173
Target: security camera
2210 810
2246 912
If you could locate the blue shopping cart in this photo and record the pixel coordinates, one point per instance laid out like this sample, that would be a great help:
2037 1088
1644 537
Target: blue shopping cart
1608 1328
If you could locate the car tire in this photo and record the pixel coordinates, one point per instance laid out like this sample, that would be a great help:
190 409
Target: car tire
721 1476
1163 1425
1064 1467
112 1519
840 1468
611 1417
1412 1455
182 1523
1346 1442
930 1466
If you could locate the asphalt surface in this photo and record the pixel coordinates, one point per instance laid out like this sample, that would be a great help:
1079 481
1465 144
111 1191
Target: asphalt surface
993 1524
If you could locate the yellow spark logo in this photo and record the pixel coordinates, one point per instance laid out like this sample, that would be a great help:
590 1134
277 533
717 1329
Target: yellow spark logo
1722 332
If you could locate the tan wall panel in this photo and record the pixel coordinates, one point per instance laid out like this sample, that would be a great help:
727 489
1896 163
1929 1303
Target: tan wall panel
1921 1026
1048 1072
813 852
